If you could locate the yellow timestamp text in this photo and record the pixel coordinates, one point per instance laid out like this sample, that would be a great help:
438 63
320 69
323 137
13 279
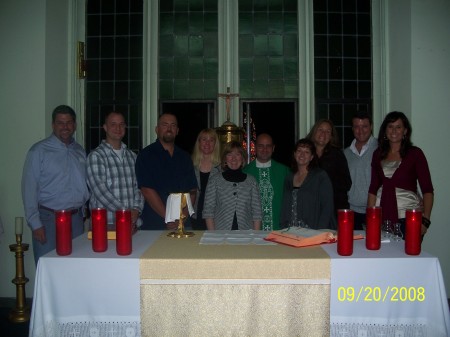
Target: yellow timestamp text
381 294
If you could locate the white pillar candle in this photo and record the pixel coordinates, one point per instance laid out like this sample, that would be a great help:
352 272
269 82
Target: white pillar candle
19 225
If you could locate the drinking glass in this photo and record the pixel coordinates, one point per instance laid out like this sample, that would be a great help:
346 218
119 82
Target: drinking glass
397 232
386 229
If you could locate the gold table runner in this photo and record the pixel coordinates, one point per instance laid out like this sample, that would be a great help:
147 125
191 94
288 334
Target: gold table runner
170 258
248 290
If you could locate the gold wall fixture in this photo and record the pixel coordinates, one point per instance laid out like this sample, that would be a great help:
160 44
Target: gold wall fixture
229 131
81 60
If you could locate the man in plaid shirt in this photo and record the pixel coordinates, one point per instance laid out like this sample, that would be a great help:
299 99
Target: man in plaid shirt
111 175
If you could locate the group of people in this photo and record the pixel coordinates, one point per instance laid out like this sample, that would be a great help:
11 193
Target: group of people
227 193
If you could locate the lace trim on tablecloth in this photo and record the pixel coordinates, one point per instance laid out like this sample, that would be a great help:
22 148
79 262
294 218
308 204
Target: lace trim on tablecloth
379 330
90 329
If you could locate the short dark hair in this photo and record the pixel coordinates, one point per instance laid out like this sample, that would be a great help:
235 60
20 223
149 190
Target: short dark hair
309 144
362 115
63 110
167 114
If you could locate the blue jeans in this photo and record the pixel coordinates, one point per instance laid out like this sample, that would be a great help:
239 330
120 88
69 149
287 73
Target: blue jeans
48 221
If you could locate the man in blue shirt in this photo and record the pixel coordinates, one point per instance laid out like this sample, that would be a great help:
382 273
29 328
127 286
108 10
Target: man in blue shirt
54 178
163 168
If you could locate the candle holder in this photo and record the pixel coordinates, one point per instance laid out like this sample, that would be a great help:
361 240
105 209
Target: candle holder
21 312
345 232
180 233
373 228
99 230
123 232
63 223
412 232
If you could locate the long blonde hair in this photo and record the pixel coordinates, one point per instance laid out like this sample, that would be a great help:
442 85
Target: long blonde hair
197 154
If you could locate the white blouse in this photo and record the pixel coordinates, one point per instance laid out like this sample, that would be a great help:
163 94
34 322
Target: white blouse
405 199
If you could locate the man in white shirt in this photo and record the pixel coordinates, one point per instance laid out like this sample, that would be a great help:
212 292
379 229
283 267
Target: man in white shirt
359 158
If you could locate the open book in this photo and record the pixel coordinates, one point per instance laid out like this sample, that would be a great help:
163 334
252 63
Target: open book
303 237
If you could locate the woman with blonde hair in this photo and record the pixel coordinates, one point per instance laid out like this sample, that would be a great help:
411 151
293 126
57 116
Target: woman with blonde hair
232 199
206 160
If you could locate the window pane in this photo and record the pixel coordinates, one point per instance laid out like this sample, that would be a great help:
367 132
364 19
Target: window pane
342 61
114 67
268 49
188 35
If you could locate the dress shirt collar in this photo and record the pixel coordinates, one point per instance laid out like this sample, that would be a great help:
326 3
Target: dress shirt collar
58 141
363 149
122 145
263 165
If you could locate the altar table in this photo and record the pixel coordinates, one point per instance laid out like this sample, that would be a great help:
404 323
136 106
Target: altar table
188 289
89 294
181 287
387 293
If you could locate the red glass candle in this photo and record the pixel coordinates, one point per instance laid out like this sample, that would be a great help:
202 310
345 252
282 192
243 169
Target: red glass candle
123 232
413 231
345 232
63 223
99 229
373 228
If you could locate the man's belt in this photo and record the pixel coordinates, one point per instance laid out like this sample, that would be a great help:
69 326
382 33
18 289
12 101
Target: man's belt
71 210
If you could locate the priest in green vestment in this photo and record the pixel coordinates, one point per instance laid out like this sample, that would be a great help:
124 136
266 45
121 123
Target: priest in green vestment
270 177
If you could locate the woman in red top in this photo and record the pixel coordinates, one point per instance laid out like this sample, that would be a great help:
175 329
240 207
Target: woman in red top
397 166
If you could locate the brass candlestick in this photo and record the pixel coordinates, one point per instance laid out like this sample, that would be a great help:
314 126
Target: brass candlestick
180 233
21 313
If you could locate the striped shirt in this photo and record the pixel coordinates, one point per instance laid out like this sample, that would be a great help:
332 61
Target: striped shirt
224 198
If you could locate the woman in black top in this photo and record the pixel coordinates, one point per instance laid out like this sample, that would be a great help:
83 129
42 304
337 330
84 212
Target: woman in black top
331 159
206 159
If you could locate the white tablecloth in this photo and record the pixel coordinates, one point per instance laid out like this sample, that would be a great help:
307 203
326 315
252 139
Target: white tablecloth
87 293
387 293
98 294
